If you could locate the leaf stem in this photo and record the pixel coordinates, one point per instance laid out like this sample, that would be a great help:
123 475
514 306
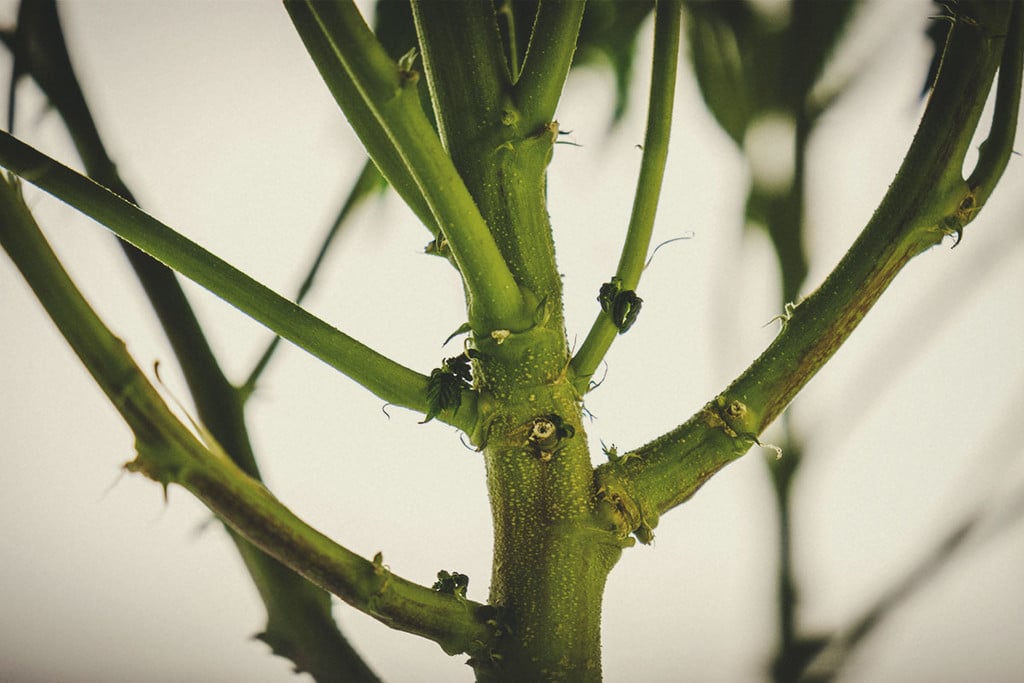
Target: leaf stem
378 144
168 452
996 150
648 190
927 201
387 379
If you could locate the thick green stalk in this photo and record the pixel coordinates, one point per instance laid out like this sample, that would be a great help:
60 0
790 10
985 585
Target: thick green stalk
168 452
550 558
384 377
461 44
550 561
648 189
389 91
927 201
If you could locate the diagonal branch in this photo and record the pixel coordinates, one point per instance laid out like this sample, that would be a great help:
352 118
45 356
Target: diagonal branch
387 379
927 201
366 126
299 624
168 452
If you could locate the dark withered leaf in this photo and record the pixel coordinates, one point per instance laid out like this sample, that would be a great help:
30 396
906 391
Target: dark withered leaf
461 368
451 583
625 309
444 392
606 296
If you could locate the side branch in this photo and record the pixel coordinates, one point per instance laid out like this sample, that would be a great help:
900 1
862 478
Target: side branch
648 188
169 453
387 379
379 146
299 623
927 201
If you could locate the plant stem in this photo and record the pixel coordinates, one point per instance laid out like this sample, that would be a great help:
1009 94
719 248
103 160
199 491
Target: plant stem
927 201
460 44
550 558
548 57
648 190
168 452
502 160
995 152
299 625
381 375
379 145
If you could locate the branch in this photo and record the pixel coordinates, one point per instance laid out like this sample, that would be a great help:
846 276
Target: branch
384 377
387 90
927 201
370 132
40 49
461 45
648 188
299 624
995 152
548 58
168 452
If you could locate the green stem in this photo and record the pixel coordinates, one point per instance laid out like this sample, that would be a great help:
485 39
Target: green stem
550 559
168 452
390 94
548 58
927 201
996 150
41 49
648 190
461 45
381 375
300 625
502 161
506 9
378 144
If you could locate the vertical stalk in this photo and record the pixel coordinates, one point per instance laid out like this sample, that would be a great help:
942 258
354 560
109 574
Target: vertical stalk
550 561
550 565
501 158
648 190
